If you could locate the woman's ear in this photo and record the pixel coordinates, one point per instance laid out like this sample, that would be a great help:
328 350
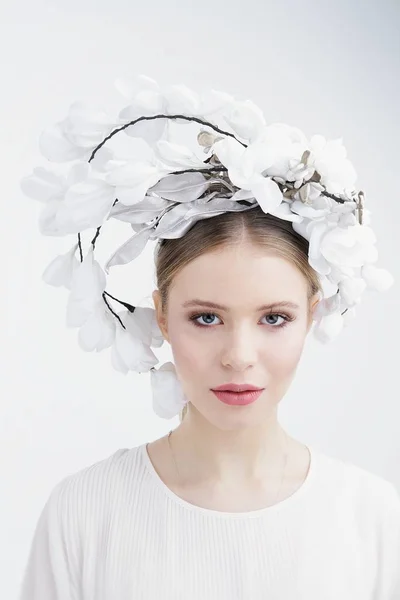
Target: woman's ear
161 320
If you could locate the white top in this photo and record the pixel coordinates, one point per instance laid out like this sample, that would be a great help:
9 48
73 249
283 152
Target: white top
115 531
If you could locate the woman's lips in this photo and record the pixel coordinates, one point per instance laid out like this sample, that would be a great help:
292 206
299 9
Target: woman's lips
238 398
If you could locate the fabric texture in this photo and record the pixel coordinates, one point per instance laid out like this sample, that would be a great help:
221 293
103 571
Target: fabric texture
115 531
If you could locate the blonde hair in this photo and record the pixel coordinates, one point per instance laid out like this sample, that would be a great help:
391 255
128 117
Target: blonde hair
274 235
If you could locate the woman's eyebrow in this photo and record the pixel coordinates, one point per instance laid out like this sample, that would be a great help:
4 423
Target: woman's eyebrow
199 302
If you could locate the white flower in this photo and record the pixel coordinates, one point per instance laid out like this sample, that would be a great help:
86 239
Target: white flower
329 327
73 202
50 188
176 156
282 134
246 119
130 351
351 290
88 283
329 160
287 146
349 246
327 306
283 211
317 208
60 271
334 246
146 99
143 323
168 396
181 188
130 249
138 215
337 274
377 279
101 159
310 196
328 317
133 178
86 204
277 157
244 168
76 136
98 331
44 185
182 100
315 232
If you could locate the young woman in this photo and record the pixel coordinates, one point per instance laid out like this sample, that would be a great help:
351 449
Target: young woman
229 506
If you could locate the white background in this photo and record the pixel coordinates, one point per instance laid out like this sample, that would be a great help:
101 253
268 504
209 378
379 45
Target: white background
329 68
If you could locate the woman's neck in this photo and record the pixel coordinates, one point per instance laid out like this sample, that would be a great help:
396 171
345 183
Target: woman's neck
207 454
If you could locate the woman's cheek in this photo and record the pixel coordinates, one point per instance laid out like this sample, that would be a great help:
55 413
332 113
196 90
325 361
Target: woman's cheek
283 352
186 347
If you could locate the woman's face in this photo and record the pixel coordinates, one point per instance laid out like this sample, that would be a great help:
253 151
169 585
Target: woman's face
239 343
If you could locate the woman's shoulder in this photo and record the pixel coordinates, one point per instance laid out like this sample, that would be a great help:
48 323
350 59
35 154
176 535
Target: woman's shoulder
101 480
349 481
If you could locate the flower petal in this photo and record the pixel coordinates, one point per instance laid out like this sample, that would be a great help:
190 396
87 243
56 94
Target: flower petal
229 151
48 223
180 99
351 290
87 204
56 147
377 279
134 173
142 212
327 306
133 195
150 131
133 352
60 271
246 119
98 331
315 258
87 286
42 185
177 155
129 249
85 126
328 328
181 188
267 193
283 211
167 392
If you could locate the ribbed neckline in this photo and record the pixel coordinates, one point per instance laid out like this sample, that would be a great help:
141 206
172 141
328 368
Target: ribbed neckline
286 503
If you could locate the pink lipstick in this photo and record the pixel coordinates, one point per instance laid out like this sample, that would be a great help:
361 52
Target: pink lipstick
238 398
237 394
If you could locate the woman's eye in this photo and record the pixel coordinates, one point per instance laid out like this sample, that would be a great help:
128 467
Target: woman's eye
273 319
196 317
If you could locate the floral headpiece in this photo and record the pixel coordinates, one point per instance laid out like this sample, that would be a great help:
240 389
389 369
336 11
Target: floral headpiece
163 187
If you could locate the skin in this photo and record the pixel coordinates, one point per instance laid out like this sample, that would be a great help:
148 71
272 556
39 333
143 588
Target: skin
229 449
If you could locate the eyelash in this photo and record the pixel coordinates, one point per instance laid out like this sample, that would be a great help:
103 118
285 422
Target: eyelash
287 320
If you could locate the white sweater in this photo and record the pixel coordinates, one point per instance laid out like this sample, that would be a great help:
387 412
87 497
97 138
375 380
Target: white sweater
115 531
